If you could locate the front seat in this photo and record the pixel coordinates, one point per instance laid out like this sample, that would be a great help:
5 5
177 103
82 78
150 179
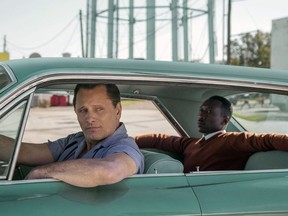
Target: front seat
267 160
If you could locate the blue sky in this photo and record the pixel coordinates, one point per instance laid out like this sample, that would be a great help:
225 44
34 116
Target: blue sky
52 29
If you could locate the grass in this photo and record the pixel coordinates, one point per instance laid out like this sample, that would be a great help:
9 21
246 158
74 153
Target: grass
251 117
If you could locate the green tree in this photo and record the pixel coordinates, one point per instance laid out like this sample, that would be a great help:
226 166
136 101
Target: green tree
251 50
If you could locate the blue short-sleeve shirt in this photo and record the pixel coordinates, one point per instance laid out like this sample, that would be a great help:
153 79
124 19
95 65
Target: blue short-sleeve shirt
70 147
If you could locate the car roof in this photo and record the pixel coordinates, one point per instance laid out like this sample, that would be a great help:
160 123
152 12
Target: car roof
24 69
164 83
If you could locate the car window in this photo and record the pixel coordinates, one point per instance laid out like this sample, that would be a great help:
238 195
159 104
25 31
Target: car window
4 78
261 112
142 116
52 117
9 126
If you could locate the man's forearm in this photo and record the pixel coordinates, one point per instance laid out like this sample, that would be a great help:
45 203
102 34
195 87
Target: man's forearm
87 172
7 145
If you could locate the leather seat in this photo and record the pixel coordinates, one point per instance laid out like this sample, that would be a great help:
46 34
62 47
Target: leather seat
156 162
267 160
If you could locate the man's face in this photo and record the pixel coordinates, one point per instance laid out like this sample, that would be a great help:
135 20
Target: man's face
97 116
210 117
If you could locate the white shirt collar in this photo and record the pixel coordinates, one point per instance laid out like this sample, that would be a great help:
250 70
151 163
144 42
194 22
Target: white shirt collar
208 136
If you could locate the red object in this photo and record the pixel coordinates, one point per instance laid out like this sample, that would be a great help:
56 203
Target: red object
58 100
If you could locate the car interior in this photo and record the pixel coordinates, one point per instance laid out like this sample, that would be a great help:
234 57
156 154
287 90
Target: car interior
175 108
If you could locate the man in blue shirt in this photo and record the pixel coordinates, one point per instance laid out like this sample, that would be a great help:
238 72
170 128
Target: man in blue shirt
101 154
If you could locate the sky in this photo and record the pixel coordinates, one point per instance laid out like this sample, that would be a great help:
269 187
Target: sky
53 29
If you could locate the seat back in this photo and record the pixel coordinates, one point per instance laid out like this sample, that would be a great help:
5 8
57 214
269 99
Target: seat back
267 160
156 162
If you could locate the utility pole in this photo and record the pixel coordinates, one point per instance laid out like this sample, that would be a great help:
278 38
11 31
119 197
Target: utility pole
117 29
82 38
131 29
150 32
87 28
110 30
4 44
174 33
211 31
229 32
93 28
185 31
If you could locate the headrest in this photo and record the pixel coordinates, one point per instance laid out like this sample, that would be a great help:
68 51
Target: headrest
156 162
267 160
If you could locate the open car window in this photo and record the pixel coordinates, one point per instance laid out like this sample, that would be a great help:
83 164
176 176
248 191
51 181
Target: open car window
52 117
261 112
9 128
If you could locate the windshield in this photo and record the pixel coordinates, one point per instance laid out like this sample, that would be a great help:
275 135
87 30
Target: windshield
4 78
261 112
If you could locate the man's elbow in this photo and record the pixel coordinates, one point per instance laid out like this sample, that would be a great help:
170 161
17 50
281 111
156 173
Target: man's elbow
117 175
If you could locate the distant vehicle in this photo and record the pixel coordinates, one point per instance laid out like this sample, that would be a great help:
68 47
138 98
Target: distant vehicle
177 90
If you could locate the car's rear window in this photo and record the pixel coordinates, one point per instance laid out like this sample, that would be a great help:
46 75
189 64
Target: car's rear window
261 112
5 79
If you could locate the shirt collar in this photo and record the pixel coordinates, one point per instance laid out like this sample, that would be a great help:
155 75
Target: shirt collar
118 134
208 136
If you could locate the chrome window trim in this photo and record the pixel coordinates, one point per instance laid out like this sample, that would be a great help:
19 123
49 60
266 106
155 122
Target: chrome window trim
20 132
236 172
32 181
10 162
35 81
11 76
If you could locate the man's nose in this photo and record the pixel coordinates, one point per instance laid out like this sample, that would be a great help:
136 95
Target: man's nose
91 117
200 115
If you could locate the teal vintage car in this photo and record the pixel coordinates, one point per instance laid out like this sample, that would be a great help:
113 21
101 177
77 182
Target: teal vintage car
157 97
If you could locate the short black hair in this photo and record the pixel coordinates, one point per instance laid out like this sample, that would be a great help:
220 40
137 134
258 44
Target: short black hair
226 105
111 89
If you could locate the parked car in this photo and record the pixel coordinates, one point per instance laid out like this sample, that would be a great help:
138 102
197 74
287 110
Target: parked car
158 97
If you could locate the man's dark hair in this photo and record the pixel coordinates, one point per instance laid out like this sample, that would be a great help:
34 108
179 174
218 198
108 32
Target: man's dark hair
226 105
111 89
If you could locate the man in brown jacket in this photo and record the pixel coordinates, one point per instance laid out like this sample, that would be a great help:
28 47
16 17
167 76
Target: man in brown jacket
217 149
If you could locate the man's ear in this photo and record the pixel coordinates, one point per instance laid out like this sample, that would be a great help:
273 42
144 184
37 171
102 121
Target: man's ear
226 120
119 109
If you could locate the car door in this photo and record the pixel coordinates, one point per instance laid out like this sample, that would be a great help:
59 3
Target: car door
146 194
241 192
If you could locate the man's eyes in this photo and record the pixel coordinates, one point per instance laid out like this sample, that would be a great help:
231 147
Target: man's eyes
82 111
206 111
97 109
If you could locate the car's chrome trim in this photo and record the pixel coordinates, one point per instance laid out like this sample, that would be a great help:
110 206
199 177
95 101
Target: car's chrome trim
251 213
62 75
11 75
32 181
229 172
20 130
156 174
20 133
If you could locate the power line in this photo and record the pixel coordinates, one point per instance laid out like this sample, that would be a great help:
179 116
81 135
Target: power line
47 42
